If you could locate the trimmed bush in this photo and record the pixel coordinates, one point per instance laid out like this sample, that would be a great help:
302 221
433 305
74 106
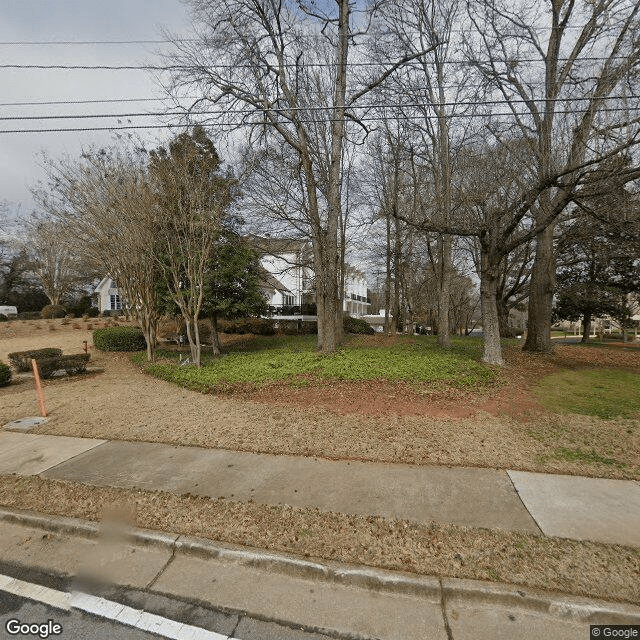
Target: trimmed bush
5 375
72 364
257 326
296 327
29 315
357 325
21 360
53 311
3 318
119 339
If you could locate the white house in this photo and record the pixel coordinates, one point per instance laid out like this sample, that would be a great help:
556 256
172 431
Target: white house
289 263
106 296
287 281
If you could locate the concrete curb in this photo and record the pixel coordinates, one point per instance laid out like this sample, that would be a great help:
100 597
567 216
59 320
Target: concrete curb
451 590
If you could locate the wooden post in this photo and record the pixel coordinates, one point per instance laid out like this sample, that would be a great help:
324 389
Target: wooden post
39 391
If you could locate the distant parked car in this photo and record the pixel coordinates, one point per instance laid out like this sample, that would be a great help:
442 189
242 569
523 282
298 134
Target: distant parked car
10 312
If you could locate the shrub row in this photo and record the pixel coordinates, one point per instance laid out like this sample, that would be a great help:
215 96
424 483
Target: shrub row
5 375
257 326
21 360
72 364
119 339
357 325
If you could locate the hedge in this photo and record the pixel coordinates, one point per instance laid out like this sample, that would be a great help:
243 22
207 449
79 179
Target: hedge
53 311
357 325
257 326
119 339
5 375
72 364
21 360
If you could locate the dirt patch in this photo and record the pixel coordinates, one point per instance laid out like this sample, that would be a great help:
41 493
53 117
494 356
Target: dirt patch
610 572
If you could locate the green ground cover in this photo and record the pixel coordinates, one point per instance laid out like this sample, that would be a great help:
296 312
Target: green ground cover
260 360
606 393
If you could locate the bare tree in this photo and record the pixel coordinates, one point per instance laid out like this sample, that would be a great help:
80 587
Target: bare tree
561 69
53 257
104 202
281 67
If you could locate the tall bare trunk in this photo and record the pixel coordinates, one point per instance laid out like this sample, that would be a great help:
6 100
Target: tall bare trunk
541 295
215 338
490 325
444 290
586 327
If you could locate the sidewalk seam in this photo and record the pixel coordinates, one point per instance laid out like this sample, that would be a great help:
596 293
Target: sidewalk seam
97 446
443 609
522 502
164 568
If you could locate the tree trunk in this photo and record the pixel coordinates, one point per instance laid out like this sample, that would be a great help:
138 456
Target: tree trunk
490 324
215 338
586 327
397 320
503 317
193 335
541 295
387 293
444 291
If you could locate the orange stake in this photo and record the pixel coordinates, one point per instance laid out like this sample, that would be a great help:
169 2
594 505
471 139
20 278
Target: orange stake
39 391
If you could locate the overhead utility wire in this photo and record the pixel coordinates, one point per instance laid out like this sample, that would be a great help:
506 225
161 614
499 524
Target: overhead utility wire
151 67
284 110
167 41
263 122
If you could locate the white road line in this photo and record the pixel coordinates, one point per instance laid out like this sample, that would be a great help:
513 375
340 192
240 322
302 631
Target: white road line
56 599
107 609
141 619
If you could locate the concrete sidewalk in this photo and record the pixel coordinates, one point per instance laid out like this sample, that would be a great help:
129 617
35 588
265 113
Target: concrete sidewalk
565 506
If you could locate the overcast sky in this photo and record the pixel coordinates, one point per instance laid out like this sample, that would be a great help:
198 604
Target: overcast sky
69 20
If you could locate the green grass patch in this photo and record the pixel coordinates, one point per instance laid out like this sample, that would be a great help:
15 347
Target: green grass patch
295 358
606 393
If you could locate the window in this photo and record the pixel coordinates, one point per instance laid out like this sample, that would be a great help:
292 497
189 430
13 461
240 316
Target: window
115 301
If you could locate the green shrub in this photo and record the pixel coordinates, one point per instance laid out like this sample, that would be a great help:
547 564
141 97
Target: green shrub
72 364
53 311
357 325
296 327
21 360
257 326
5 375
3 318
119 339
29 315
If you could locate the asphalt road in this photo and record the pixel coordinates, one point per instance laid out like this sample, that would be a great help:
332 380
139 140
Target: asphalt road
75 625
80 625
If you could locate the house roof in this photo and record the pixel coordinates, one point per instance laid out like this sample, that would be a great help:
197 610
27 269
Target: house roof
268 280
277 246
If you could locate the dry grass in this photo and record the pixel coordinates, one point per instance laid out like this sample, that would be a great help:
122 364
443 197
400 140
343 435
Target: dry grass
124 404
585 568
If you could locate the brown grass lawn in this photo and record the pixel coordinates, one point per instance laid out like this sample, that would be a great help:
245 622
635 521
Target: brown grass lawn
502 427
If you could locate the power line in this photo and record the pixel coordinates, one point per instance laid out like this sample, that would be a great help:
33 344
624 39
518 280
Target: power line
151 67
263 122
171 41
284 110
87 42
96 101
